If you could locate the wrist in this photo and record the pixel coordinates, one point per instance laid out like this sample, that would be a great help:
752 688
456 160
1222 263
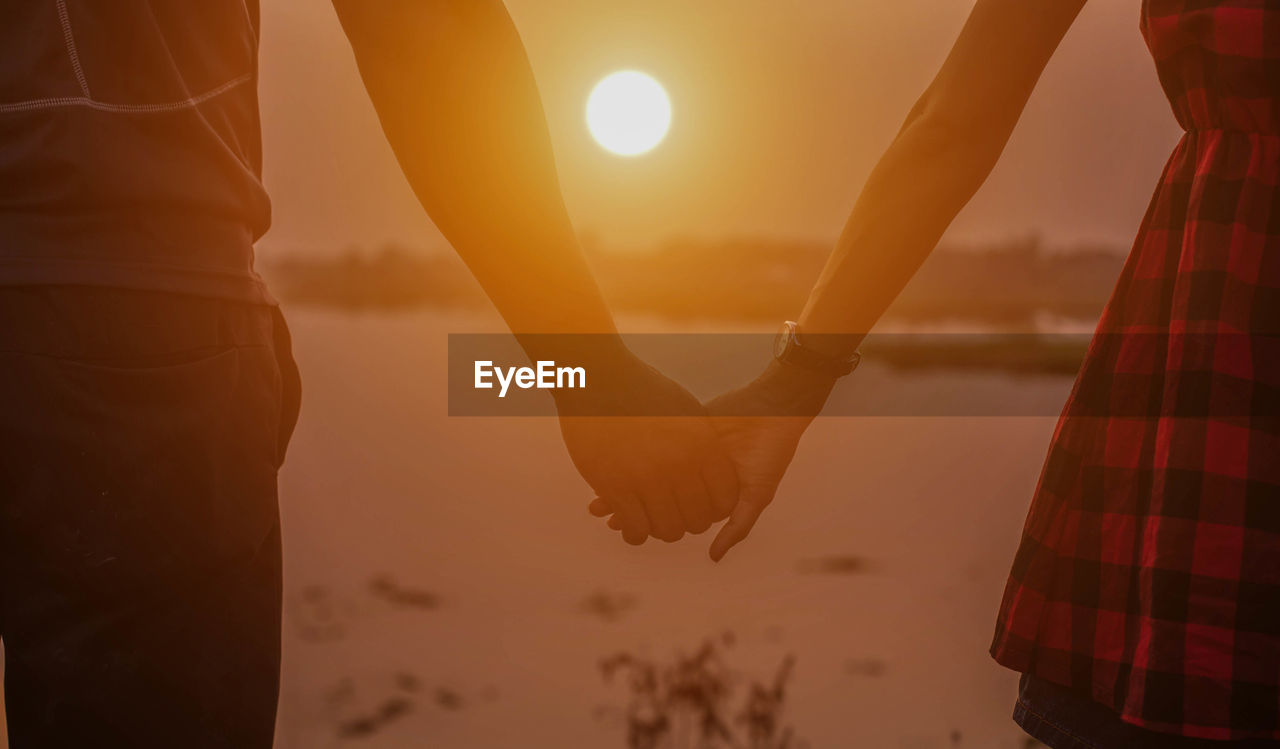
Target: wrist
790 390
619 383
602 351
789 349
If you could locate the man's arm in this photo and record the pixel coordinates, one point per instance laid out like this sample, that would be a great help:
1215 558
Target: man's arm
457 99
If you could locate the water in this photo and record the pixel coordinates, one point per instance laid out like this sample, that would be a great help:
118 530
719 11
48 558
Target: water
445 586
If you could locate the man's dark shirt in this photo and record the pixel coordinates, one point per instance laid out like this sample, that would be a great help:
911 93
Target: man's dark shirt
130 148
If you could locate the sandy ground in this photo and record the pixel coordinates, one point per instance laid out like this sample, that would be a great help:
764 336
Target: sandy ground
437 568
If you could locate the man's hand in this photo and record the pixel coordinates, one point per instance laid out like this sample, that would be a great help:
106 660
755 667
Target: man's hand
650 453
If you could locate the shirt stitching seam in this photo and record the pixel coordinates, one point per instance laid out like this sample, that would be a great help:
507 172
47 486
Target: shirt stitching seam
69 38
85 101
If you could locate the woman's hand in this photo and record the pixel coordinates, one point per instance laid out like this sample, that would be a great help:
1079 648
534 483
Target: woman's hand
761 448
760 426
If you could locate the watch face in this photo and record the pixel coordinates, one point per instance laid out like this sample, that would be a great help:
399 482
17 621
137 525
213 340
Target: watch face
782 341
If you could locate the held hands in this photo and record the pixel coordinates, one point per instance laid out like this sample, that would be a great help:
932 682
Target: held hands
662 476
758 426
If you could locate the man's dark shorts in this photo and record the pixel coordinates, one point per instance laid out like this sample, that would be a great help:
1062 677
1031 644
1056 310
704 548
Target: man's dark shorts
140 435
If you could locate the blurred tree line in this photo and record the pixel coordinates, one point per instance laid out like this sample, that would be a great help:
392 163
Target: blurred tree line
1007 283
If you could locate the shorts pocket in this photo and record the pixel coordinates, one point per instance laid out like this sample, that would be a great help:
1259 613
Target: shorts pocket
153 471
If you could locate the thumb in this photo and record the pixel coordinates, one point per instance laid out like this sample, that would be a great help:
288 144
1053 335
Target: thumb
743 518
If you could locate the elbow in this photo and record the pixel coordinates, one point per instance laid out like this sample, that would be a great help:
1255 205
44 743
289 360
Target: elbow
936 114
957 138
930 124
957 130
952 155
938 139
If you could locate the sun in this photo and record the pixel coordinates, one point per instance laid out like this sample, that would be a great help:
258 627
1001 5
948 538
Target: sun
628 113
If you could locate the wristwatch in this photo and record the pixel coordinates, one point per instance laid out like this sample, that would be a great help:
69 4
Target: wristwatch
788 349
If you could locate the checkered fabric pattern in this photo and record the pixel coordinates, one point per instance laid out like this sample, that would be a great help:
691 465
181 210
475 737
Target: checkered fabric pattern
1148 575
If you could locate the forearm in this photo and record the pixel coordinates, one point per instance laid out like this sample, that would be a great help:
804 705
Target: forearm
923 180
458 102
943 154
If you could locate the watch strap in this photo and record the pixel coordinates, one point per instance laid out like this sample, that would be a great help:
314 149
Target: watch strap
793 352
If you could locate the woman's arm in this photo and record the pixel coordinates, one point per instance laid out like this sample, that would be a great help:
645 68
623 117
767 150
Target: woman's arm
951 140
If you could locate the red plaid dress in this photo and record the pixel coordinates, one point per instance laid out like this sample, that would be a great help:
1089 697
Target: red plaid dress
1148 576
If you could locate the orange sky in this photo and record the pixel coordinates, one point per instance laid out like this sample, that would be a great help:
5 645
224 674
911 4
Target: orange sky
780 111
